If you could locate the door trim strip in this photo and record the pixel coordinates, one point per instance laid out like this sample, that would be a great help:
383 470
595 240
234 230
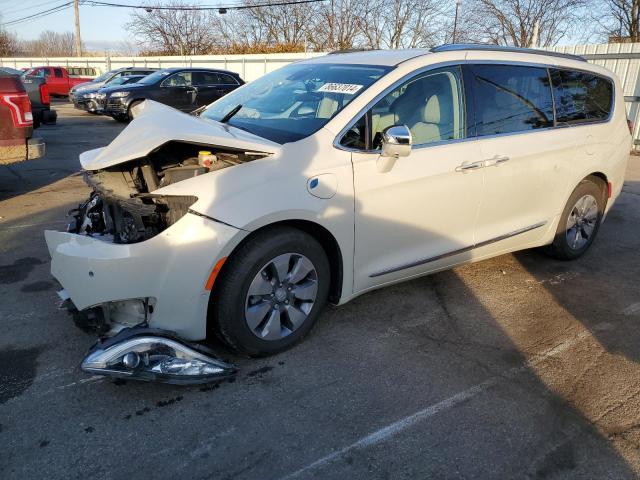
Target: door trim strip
459 251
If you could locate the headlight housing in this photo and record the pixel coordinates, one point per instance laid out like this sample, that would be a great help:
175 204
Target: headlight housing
148 354
119 94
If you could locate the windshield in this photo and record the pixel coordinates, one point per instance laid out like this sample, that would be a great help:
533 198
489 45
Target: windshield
154 77
104 76
118 81
295 101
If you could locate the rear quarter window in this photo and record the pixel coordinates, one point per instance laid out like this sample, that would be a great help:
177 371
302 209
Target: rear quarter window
581 97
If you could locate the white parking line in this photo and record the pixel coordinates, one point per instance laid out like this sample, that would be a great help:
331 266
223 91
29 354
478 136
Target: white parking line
383 434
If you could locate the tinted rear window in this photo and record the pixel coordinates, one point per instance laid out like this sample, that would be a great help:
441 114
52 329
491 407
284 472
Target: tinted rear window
581 97
511 98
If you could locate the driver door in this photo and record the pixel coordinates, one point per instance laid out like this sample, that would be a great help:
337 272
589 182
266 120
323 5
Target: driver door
178 91
420 215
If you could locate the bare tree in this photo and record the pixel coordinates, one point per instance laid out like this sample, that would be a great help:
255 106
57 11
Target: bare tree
401 23
8 44
513 22
620 20
173 32
337 25
50 44
280 24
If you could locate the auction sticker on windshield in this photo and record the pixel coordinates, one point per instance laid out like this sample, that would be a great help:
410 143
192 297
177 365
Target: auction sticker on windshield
347 88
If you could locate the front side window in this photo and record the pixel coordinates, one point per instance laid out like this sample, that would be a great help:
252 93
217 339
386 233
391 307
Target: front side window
57 72
511 99
581 97
181 79
295 101
431 105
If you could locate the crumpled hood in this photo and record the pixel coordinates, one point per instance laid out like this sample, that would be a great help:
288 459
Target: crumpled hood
158 124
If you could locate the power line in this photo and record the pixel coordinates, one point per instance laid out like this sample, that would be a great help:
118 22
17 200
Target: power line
98 3
37 15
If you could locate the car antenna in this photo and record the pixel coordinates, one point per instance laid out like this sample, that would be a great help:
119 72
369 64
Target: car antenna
229 115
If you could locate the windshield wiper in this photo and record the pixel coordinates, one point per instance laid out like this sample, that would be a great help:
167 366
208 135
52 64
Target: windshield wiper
230 115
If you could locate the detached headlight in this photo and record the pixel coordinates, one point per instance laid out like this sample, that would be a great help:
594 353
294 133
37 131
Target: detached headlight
119 94
149 357
101 95
90 95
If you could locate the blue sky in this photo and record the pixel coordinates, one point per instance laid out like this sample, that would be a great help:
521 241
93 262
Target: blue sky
101 28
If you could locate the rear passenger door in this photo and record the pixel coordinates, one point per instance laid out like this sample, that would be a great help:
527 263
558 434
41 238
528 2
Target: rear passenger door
207 87
525 158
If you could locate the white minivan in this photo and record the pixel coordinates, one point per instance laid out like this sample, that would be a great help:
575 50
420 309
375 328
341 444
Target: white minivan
323 180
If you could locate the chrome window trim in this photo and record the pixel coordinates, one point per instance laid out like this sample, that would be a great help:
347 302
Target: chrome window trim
458 251
397 83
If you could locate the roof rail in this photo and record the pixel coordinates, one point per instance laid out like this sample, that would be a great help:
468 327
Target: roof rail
352 50
454 47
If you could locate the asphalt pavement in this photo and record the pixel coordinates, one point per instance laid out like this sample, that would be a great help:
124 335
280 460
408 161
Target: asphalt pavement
516 367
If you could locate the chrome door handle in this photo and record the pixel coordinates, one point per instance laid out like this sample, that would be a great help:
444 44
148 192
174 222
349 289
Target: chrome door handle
465 167
495 161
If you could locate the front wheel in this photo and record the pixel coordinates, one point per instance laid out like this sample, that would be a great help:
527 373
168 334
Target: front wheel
580 221
271 291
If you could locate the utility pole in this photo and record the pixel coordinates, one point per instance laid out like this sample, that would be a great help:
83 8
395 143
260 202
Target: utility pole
455 22
76 12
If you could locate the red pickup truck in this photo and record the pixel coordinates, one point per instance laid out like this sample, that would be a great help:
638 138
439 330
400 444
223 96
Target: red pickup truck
60 79
16 123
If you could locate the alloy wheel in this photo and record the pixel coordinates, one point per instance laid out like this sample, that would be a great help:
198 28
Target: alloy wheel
582 222
281 296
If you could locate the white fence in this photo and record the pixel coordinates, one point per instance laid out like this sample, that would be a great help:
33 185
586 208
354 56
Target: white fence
249 67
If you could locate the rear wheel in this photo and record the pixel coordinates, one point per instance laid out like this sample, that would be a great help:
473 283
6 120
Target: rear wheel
271 292
580 221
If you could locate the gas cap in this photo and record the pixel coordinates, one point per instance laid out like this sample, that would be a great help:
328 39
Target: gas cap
323 186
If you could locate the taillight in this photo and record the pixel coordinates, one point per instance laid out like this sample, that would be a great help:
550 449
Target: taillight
44 94
20 108
631 126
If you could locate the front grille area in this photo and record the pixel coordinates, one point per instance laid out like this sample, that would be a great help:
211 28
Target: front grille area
115 106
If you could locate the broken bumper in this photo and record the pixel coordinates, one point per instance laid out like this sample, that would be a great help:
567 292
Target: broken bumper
160 282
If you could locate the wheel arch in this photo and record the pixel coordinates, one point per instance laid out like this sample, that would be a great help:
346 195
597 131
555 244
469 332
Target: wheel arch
326 239
602 180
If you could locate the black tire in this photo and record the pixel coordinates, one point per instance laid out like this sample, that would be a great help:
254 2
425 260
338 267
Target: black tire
231 289
131 107
561 247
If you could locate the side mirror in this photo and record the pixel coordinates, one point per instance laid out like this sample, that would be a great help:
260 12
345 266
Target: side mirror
396 141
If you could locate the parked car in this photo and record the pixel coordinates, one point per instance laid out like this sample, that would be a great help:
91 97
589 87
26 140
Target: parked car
38 92
93 100
16 123
11 71
183 88
324 180
107 78
58 79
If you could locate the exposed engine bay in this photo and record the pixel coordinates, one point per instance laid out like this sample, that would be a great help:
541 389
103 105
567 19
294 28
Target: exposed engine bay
123 207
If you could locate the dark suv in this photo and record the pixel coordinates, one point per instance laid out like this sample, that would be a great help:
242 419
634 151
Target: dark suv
105 79
183 88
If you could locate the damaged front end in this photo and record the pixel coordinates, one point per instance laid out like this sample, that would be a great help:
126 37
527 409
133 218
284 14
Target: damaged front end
123 208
